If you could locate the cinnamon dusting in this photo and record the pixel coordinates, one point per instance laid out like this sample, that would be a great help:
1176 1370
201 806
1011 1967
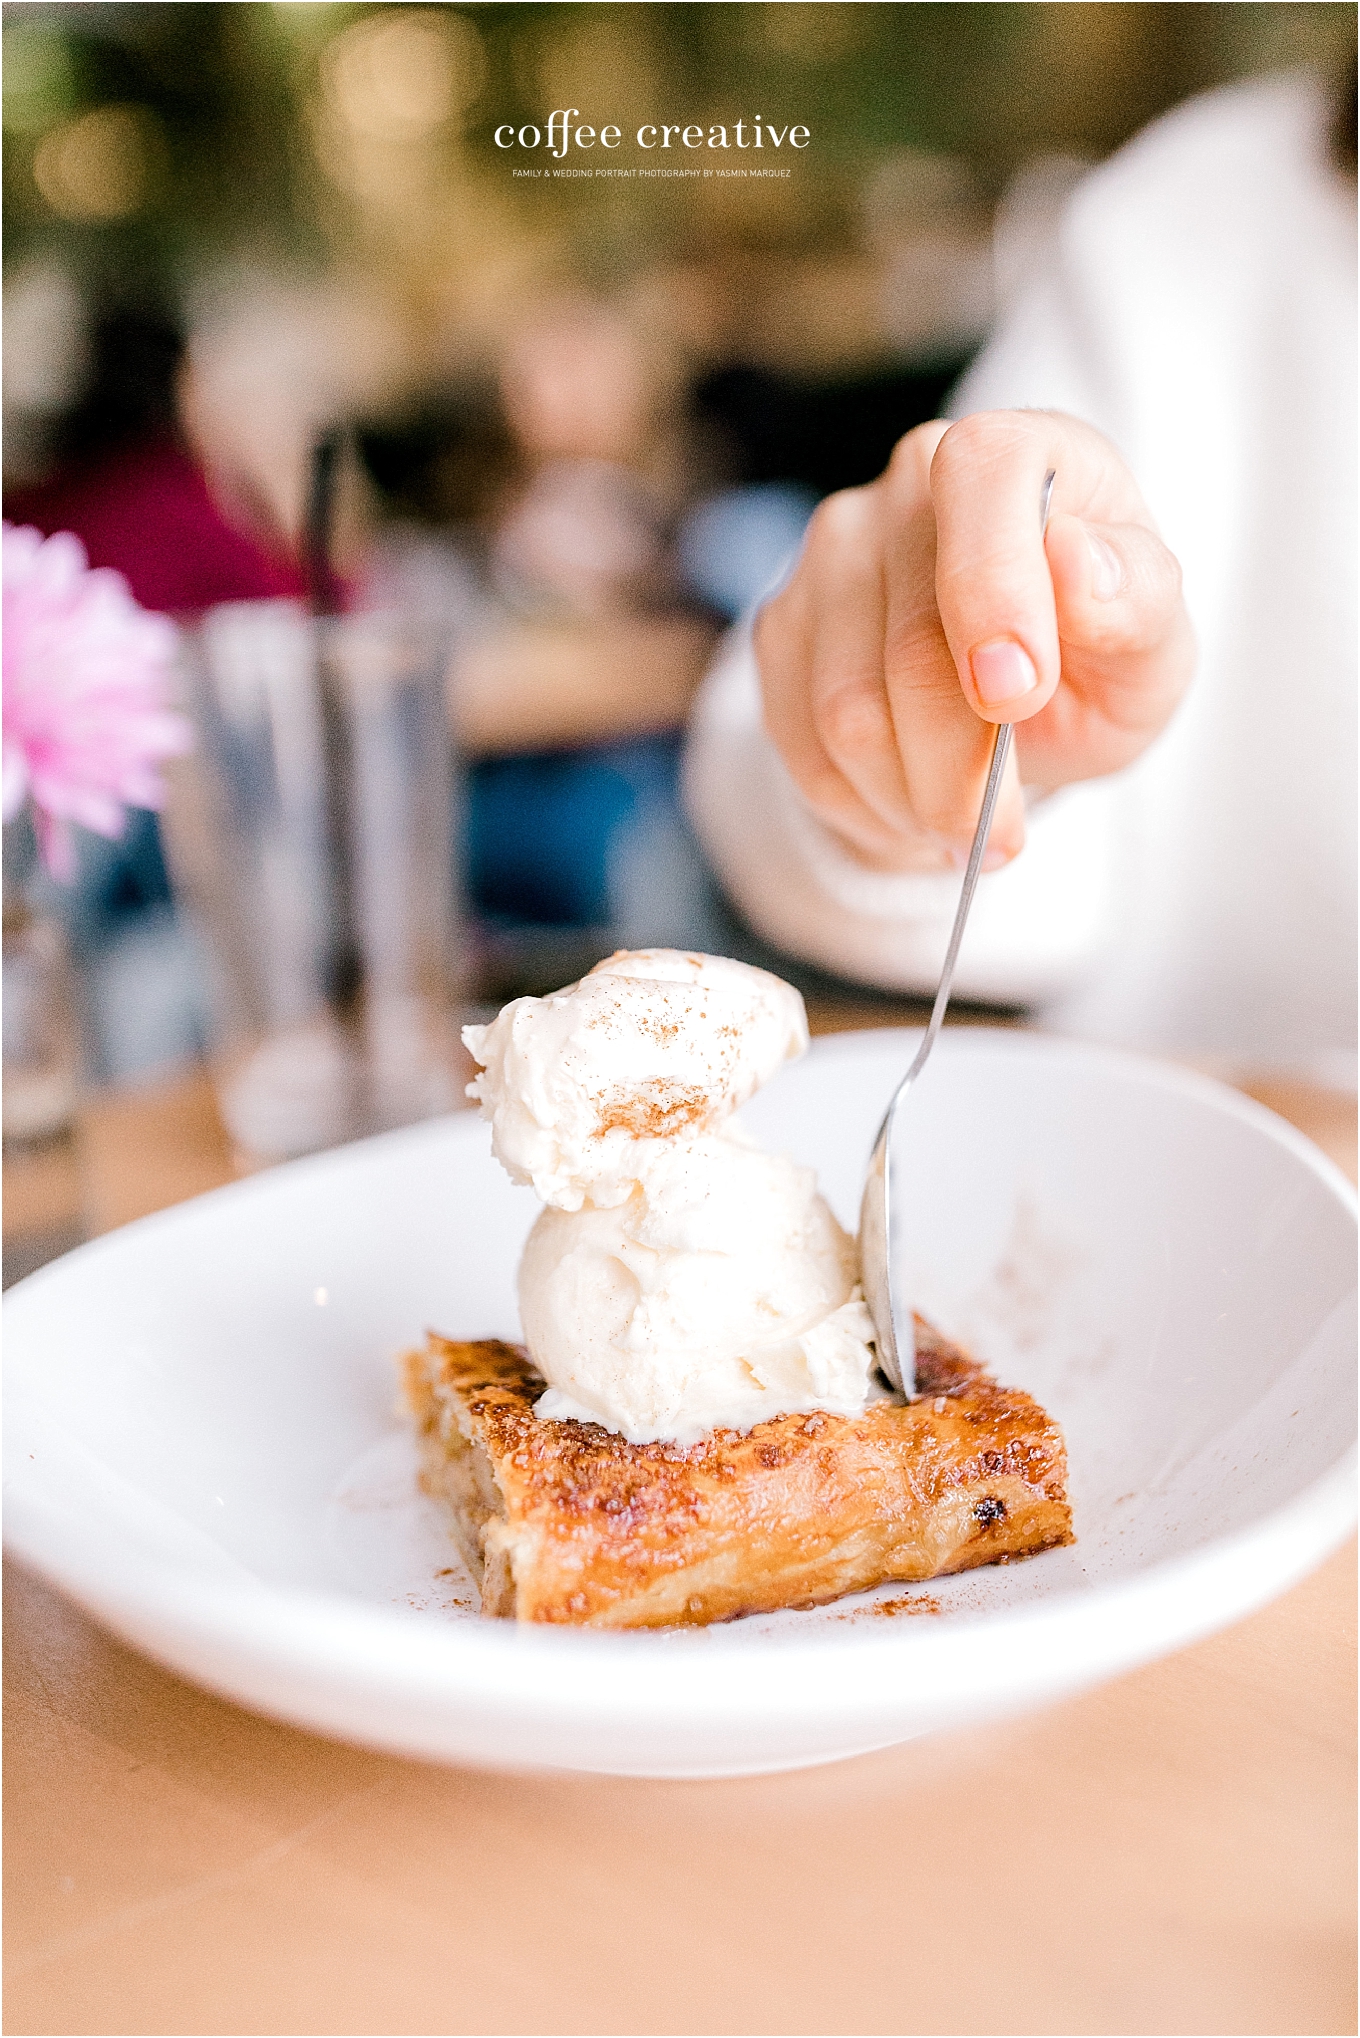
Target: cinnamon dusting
914 1602
655 1109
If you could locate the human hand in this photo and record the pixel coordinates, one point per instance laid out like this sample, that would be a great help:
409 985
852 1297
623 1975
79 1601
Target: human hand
930 605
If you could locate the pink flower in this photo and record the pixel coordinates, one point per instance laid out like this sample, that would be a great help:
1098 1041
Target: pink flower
87 688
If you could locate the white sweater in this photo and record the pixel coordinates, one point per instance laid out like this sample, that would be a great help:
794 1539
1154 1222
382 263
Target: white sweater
1198 305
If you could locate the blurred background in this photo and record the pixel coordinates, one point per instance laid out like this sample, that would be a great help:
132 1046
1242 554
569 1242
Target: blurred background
284 338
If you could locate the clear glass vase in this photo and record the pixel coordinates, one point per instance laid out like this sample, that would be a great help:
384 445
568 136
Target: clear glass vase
42 1038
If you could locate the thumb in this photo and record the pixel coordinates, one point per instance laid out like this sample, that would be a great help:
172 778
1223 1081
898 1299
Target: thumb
1127 646
1117 587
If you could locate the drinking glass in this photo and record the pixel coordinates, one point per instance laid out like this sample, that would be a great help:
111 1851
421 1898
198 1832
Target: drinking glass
311 837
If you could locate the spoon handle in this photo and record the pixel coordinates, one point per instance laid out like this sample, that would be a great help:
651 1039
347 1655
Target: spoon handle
1000 752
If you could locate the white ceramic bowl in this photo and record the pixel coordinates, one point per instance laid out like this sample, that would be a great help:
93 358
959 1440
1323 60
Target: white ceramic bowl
201 1444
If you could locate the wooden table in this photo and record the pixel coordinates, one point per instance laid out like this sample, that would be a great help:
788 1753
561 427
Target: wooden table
1173 1853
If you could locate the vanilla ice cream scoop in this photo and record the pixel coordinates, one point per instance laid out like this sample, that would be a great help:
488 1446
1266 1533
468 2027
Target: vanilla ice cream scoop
681 1279
723 1293
652 1045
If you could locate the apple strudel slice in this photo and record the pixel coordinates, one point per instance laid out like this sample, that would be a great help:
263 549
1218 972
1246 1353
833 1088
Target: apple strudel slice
568 1522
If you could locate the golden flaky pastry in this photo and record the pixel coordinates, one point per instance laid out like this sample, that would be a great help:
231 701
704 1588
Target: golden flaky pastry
569 1522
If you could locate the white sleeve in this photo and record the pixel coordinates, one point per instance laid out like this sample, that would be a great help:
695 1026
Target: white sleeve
1211 337
1036 927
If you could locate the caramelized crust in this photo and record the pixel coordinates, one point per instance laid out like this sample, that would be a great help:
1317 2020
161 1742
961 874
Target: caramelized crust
568 1522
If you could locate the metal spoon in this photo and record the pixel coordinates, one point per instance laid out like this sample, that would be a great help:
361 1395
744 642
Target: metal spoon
879 1218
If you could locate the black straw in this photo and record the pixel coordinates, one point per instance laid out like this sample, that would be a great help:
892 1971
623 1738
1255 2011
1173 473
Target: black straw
323 584
345 968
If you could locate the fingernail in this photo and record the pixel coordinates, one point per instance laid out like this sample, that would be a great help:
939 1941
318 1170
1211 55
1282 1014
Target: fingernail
1107 571
1002 671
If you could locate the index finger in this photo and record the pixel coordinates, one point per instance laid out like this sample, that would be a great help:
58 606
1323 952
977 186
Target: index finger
992 583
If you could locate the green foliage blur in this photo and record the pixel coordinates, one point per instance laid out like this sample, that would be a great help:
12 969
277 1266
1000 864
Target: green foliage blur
154 142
